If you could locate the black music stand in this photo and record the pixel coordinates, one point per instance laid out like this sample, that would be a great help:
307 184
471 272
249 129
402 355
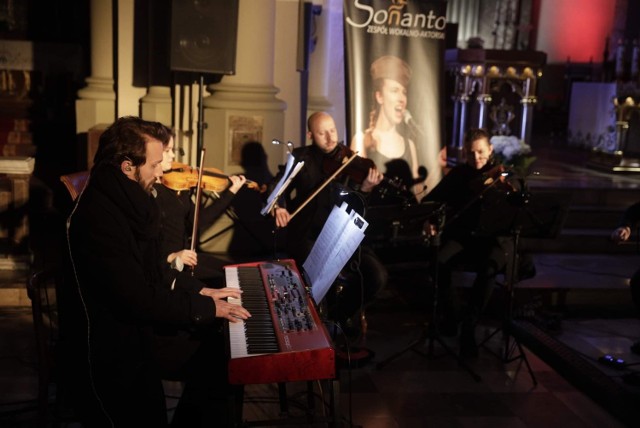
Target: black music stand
394 228
429 333
520 215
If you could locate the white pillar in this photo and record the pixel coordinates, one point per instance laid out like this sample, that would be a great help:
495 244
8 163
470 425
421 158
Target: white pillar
244 106
326 65
156 105
287 77
96 103
128 96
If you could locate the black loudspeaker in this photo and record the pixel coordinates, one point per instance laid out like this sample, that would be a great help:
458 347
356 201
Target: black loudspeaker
204 35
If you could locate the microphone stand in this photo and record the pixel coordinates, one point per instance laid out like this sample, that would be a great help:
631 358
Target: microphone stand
413 126
278 143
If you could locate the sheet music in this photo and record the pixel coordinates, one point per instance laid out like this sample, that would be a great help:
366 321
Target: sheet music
289 173
340 237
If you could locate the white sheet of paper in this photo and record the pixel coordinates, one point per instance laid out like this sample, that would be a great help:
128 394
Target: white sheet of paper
290 172
340 237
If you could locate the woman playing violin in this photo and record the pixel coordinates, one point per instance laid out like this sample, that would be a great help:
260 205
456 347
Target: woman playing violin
177 216
303 229
463 190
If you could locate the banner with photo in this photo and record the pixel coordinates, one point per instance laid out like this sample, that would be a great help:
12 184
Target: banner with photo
394 60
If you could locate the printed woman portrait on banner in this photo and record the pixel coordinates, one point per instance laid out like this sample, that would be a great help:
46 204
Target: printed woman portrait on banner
388 135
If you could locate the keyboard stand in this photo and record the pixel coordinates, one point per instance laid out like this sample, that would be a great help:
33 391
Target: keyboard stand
312 415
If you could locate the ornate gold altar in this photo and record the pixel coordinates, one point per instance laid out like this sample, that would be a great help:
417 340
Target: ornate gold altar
605 118
493 89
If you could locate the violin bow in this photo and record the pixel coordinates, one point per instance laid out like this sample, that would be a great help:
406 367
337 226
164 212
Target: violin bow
323 185
196 212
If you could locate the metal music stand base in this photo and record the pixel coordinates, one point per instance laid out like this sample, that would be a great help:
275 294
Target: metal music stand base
510 343
527 215
429 334
509 351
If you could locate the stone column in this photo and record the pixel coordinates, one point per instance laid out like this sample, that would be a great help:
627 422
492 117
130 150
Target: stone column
244 106
128 96
96 103
321 67
156 104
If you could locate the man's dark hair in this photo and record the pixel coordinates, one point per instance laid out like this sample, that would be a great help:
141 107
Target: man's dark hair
474 134
125 140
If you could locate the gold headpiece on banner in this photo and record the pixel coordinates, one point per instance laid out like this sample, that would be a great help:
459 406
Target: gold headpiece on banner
391 67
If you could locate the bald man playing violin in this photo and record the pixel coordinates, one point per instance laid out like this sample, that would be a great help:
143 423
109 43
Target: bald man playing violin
323 134
177 211
303 229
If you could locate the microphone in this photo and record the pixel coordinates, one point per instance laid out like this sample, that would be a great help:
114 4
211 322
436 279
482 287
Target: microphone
422 174
408 119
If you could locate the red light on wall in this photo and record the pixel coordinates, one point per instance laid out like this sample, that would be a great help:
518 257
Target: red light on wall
574 29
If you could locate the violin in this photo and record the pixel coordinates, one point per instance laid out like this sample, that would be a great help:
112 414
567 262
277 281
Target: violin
497 177
357 169
497 173
342 162
184 177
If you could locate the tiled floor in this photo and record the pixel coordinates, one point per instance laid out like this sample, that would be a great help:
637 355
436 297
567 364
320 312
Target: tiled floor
410 391
581 298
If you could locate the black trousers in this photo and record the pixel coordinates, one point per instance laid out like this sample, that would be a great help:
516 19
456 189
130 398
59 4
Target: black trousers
487 257
198 359
361 279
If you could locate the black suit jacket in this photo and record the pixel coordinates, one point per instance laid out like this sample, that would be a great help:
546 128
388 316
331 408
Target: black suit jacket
117 281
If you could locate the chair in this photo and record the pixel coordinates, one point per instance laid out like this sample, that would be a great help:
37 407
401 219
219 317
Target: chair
75 182
42 290
45 324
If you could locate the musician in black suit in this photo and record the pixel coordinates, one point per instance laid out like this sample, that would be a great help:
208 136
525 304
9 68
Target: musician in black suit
629 221
115 293
303 229
460 190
